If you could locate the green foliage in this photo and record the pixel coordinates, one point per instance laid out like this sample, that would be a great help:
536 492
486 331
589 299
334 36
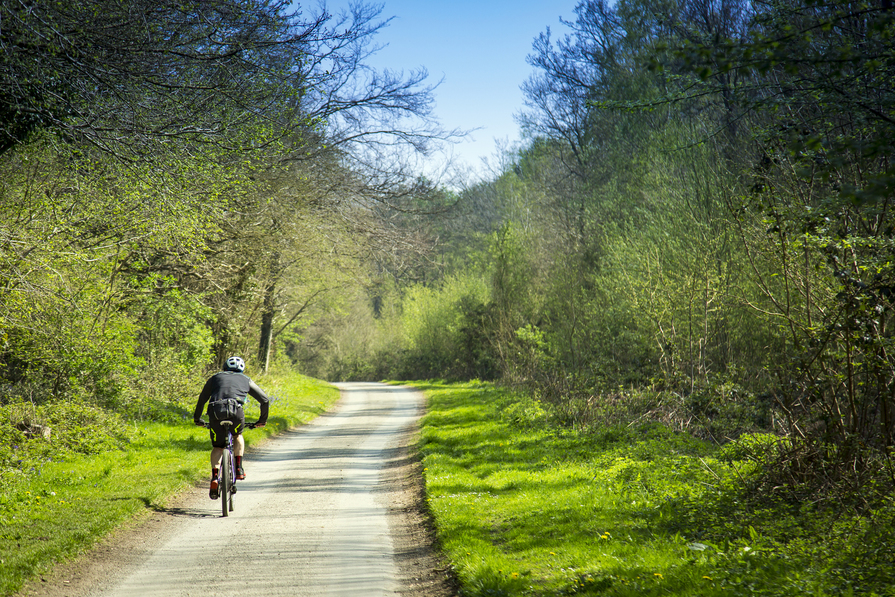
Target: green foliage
32 434
446 330
525 413
691 221
818 218
159 216
349 342
77 314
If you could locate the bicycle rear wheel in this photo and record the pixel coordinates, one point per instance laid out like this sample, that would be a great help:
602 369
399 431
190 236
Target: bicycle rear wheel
226 481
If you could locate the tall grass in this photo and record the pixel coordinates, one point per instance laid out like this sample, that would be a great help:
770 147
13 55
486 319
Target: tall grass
57 502
522 508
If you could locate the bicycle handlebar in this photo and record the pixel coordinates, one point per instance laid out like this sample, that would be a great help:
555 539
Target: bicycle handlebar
201 423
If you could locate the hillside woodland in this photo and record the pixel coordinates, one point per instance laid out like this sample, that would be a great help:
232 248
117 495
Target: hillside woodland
697 229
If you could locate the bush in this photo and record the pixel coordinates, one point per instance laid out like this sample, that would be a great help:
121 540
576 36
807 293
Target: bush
445 330
32 433
526 413
755 447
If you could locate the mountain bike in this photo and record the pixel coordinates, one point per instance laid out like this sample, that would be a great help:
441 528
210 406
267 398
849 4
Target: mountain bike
227 471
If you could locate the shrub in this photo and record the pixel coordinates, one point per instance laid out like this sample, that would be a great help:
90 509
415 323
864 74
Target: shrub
32 433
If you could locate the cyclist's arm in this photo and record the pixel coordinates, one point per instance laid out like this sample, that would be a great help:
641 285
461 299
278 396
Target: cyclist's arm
258 394
200 403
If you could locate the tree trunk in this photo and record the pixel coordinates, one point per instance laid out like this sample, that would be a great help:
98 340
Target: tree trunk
267 316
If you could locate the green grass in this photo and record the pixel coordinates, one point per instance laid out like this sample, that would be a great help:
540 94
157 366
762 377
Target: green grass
62 504
524 509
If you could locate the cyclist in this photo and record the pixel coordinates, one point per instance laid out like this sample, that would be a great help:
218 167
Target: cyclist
229 386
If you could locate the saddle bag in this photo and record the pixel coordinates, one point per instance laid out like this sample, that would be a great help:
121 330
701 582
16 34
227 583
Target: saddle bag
224 410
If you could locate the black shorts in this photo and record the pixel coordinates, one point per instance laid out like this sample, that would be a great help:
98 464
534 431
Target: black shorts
219 433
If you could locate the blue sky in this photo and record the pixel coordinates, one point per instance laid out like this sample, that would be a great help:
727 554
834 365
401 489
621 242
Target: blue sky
479 49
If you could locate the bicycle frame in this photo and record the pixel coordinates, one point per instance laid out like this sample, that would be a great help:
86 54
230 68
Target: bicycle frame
227 473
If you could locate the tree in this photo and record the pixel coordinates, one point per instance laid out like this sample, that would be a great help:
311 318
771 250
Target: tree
73 318
137 76
145 144
818 79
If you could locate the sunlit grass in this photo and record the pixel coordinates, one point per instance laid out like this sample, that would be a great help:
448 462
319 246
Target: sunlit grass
529 510
62 506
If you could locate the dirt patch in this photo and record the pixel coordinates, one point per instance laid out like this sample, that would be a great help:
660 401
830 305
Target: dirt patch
423 569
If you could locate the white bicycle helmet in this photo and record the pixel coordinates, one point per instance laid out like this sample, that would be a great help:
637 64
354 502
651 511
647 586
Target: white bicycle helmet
235 364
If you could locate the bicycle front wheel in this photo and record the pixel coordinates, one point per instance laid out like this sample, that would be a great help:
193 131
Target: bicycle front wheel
226 481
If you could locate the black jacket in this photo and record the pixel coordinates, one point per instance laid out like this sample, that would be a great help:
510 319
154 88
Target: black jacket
231 384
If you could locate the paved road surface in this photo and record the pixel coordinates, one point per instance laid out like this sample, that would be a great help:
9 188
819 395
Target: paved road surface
310 518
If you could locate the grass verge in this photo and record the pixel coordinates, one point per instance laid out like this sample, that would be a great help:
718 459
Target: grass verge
525 509
59 505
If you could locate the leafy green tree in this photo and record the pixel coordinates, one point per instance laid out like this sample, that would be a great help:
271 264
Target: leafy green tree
816 78
178 176
77 319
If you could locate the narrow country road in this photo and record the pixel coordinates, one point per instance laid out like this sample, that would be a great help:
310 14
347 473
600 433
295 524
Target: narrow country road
315 517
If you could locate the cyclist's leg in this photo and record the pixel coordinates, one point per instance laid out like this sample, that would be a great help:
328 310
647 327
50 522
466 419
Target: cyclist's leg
218 442
216 454
239 446
213 435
